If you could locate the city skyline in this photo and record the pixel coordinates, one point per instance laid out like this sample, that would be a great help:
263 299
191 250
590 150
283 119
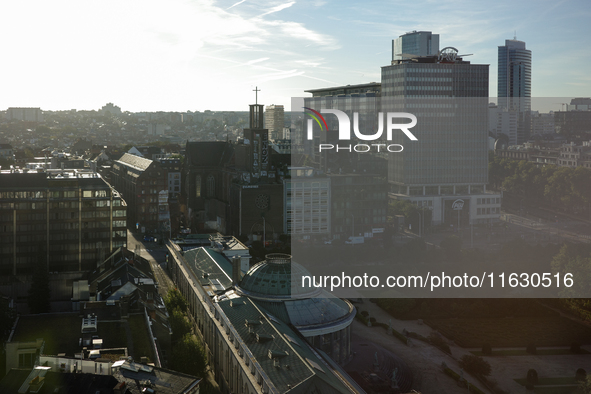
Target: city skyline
210 55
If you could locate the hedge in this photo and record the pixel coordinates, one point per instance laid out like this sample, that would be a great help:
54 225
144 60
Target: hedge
398 335
456 377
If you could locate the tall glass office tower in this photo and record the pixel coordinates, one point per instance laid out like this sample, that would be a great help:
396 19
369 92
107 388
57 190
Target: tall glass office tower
418 43
514 85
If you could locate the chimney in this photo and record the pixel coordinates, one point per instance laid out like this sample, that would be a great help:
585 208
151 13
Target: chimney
236 270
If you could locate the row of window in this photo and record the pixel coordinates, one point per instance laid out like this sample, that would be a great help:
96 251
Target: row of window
306 185
54 194
481 201
58 205
488 211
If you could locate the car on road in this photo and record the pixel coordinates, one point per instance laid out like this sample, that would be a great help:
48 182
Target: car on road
149 238
355 240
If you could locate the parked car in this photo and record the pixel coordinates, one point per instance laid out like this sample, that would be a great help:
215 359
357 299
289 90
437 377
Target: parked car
355 240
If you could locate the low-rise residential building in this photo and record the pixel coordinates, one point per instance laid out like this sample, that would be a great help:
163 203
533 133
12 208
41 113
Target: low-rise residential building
553 153
61 374
140 181
6 152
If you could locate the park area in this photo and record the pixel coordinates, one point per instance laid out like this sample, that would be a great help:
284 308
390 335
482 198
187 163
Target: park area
516 332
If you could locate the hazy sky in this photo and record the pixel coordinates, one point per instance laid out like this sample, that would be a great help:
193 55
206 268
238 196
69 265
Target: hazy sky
195 55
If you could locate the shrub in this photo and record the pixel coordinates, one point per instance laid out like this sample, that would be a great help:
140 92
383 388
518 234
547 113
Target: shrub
364 313
575 348
412 334
475 365
532 376
529 387
438 341
361 318
486 349
372 319
400 336
581 374
531 348
456 377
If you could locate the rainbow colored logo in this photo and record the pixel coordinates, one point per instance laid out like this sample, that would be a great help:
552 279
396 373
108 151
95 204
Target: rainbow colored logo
316 118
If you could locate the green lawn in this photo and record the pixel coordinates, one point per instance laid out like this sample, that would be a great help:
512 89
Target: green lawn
564 385
512 331
550 381
522 352
557 390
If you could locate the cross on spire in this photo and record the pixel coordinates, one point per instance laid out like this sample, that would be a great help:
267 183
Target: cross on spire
256 91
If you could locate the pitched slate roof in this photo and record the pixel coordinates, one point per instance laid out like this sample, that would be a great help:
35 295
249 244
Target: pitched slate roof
209 153
135 161
216 267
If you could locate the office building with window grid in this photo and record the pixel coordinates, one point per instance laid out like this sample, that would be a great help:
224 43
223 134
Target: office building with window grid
69 219
446 169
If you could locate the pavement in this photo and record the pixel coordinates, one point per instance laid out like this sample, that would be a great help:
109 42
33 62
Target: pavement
156 256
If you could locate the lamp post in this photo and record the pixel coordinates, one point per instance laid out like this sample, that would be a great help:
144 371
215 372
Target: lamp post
420 219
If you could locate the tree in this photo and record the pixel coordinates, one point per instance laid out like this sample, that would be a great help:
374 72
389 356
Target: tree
532 376
39 292
188 357
475 365
175 300
574 260
179 325
585 385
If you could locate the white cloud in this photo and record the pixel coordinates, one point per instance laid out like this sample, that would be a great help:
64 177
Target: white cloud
235 4
278 8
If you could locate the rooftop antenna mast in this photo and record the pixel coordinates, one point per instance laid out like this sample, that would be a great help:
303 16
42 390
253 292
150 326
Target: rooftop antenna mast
515 34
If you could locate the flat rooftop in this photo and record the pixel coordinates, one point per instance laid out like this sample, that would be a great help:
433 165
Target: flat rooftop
62 331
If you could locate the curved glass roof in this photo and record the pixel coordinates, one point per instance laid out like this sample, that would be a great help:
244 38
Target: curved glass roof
276 285
314 311
273 277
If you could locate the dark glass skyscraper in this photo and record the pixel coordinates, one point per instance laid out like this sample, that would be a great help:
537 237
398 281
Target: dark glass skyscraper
514 84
